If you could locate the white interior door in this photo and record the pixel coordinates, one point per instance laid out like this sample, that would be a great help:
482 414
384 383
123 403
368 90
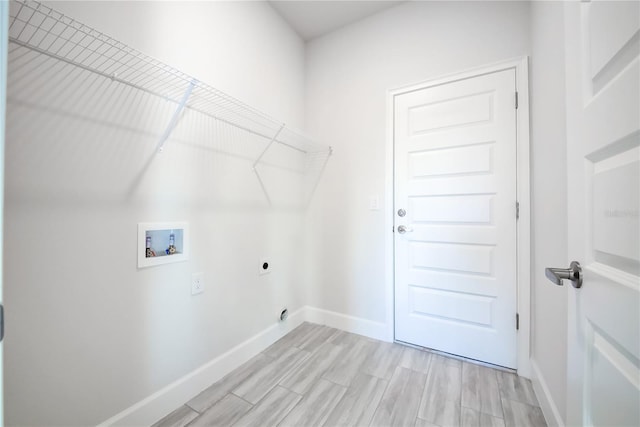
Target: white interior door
4 34
455 242
603 140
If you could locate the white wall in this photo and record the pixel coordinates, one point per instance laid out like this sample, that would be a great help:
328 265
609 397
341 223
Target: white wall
89 333
348 75
549 194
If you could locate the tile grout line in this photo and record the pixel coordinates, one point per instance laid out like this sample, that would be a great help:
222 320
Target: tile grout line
426 381
461 391
424 386
504 414
208 407
302 397
495 377
194 409
288 389
388 382
481 412
245 400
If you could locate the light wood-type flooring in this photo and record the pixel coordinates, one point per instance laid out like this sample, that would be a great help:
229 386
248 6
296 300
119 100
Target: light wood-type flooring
320 376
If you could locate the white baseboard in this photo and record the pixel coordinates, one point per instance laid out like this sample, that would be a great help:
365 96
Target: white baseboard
356 325
164 401
549 408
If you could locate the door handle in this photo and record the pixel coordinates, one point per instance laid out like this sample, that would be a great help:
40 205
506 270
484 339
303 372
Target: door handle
404 229
573 273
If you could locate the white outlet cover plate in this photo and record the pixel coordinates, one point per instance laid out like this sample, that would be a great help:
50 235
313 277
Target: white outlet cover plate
197 283
262 262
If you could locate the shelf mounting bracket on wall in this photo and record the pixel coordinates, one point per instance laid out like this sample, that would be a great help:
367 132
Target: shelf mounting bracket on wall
317 181
255 164
176 116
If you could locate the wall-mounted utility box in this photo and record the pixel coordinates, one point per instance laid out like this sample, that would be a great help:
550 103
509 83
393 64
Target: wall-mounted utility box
162 243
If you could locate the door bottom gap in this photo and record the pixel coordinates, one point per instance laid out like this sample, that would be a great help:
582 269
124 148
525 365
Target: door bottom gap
455 356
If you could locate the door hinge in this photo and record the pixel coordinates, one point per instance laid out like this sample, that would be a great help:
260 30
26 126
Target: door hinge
516 100
517 210
517 321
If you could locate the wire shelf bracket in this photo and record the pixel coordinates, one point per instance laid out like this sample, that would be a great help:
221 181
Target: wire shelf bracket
255 164
176 115
274 139
314 187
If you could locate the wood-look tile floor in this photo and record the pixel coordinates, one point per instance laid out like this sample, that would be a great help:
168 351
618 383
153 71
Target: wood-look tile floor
320 376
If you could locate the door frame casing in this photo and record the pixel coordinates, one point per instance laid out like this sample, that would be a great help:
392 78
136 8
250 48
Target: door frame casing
523 225
4 49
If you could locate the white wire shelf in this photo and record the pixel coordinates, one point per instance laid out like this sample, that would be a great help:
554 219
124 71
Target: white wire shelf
34 27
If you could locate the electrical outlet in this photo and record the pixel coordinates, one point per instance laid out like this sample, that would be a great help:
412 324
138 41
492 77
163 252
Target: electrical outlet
197 283
265 266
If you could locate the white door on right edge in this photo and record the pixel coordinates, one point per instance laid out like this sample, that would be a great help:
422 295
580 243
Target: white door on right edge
455 180
603 169
4 18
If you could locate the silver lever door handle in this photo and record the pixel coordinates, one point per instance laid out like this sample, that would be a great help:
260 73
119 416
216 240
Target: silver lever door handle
403 229
573 273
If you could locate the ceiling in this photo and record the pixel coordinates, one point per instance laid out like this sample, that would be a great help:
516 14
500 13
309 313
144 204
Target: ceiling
312 18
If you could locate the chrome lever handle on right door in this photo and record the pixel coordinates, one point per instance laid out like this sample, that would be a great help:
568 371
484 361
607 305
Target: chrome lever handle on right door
573 273
404 229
